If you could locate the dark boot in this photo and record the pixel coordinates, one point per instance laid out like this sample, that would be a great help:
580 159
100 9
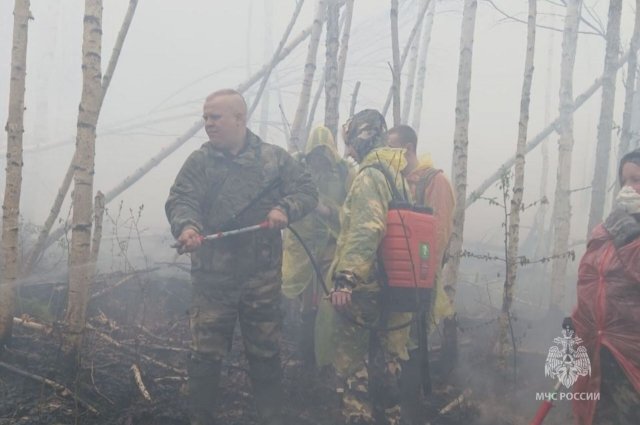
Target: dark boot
410 388
204 377
266 379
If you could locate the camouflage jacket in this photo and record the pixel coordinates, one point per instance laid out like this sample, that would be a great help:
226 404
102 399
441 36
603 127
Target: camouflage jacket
215 191
364 217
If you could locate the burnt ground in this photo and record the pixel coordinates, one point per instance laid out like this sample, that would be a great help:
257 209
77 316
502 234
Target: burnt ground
147 317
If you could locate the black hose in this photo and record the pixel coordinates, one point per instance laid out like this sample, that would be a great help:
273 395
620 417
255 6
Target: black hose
345 314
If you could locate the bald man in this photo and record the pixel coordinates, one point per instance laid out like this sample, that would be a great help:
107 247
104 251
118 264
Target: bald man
236 180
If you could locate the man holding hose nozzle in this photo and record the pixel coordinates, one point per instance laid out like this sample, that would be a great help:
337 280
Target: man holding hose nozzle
607 316
357 281
233 181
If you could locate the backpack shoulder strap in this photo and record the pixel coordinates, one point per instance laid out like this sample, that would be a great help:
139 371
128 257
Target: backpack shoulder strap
395 193
423 183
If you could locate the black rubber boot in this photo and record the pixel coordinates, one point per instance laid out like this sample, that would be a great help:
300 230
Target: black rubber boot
410 387
204 377
266 379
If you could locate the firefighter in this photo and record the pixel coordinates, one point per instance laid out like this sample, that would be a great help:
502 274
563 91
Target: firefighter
431 188
318 231
235 180
357 283
607 316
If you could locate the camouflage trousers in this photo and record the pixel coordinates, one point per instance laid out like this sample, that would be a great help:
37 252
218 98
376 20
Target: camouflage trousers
368 361
217 305
619 401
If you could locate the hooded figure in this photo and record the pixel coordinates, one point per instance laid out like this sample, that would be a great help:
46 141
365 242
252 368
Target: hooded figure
318 230
357 283
607 316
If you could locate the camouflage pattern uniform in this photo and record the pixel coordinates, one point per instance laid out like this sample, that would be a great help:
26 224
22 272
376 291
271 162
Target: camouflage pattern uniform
363 226
239 277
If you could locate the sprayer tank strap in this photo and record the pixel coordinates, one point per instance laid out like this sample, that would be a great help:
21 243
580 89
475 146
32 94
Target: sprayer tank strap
395 193
424 182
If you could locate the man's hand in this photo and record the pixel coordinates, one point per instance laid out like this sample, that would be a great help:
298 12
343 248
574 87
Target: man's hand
190 240
277 219
341 298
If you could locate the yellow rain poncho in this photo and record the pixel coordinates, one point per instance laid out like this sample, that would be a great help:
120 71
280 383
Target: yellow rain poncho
332 176
363 221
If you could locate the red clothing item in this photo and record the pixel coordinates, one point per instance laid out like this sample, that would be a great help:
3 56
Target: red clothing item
608 313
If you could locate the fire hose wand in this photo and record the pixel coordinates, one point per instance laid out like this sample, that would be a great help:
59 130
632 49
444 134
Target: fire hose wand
220 235
544 408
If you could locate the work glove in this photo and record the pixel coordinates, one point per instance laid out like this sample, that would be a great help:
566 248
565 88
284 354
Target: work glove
622 227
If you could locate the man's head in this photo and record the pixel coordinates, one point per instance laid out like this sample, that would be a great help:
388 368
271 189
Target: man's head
364 132
404 137
225 120
629 170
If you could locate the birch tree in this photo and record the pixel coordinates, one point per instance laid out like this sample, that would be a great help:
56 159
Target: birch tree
274 60
395 50
300 118
331 67
630 87
40 244
13 182
405 53
346 19
413 66
562 203
605 125
459 162
518 185
80 248
263 128
422 68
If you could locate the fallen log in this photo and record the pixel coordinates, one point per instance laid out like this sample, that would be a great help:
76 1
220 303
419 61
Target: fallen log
134 353
455 403
64 391
137 376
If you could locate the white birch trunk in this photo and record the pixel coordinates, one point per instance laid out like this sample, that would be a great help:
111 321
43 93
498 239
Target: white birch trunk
605 125
460 145
518 184
413 66
13 182
403 58
300 119
631 88
346 19
80 248
540 231
422 69
354 99
332 41
40 245
395 50
263 129
274 60
562 204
